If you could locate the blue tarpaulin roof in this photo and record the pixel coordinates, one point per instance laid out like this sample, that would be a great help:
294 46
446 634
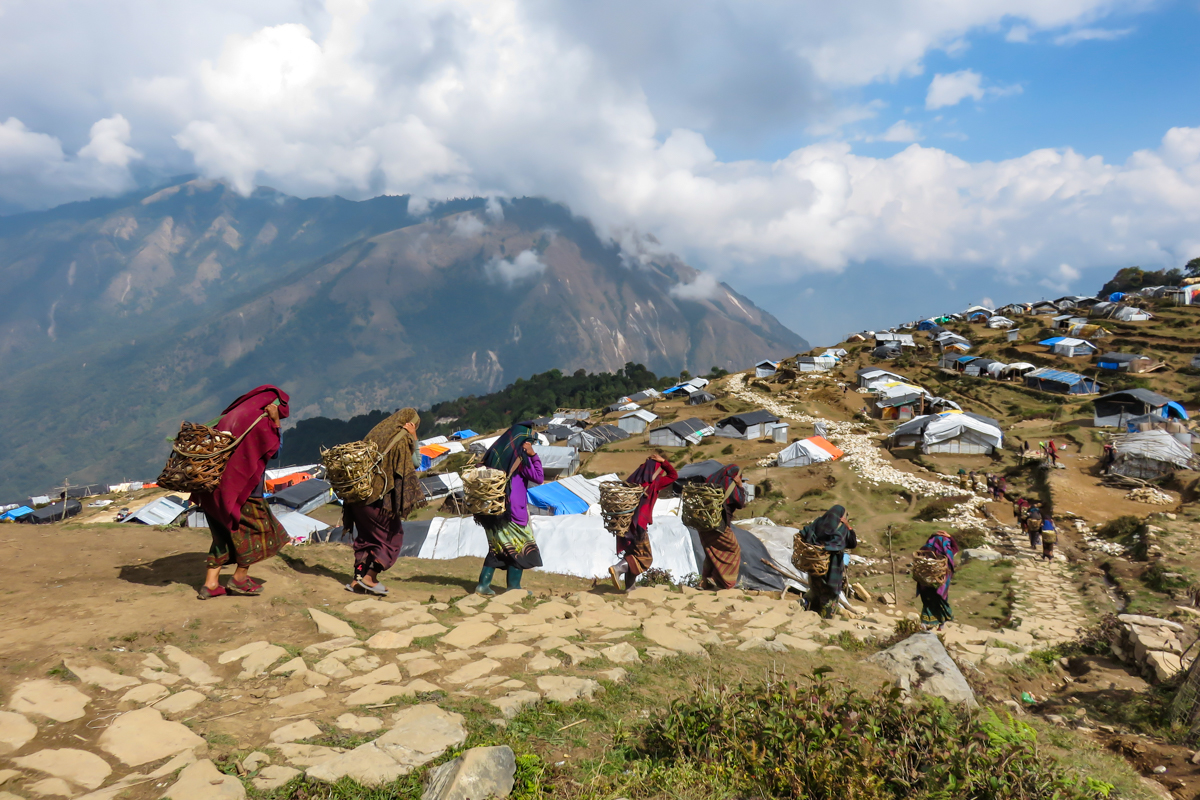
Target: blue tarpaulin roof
558 498
1052 341
16 513
966 358
1182 411
1070 378
466 433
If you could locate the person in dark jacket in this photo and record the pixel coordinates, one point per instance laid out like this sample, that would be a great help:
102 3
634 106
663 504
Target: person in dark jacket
831 532
634 548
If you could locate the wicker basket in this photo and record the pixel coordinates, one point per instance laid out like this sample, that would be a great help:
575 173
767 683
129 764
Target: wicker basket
809 558
701 507
929 568
618 502
484 489
351 469
198 458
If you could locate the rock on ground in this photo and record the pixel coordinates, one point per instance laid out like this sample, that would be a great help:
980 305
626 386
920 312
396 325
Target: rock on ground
331 625
271 778
77 766
478 774
45 698
421 734
142 736
15 732
203 781
561 689
921 663
513 703
101 677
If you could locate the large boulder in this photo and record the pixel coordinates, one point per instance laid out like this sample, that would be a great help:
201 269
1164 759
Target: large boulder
920 663
480 773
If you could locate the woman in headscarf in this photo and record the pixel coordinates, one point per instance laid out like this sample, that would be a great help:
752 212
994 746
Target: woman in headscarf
1049 538
935 600
831 532
1033 525
634 548
511 545
378 521
244 530
722 553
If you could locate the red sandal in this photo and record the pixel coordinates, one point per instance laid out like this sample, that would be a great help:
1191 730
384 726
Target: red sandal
250 588
206 593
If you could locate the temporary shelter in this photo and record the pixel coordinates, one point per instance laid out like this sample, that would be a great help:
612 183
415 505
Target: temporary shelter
680 433
432 455
622 405
54 512
1014 309
433 440
1114 409
643 396
926 325
162 511
1060 381
700 398
821 363
592 439
39 500
313 470
812 450
572 495
465 433
750 425
1044 307
300 527
950 432
698 472
998 321
1131 314
1071 348
902 339
778 432
889 350
1125 362
871 377
1196 361
480 446
1184 295
16 514
435 487
272 485
949 340
636 421
1015 370
978 314
1012 335
557 462
558 433
765 369
1150 455
305 497
91 490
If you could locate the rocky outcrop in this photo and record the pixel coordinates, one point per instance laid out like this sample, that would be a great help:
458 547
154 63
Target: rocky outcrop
1153 646
921 664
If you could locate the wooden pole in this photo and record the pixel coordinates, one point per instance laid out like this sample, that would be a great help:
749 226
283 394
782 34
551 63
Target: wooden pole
891 558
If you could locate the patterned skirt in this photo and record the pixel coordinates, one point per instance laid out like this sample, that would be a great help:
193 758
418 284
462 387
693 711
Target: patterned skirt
637 553
258 537
722 558
935 609
512 545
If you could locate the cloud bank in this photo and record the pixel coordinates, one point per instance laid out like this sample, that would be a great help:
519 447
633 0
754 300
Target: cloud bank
612 108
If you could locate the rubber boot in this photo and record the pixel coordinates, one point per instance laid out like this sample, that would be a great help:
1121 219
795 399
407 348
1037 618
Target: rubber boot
514 578
484 587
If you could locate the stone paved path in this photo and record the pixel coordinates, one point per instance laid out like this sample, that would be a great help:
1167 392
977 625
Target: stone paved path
1048 603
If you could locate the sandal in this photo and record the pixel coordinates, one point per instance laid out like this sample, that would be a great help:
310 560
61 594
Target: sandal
206 593
379 590
251 588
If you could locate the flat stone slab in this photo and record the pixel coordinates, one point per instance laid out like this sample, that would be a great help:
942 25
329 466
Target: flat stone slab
290 667
420 734
15 732
146 694
480 772
50 699
331 625
389 673
180 702
428 629
470 634
299 698
203 781
921 663
379 693
257 662
142 736
421 666
331 645
513 703
332 668
671 638
191 668
564 689
507 651
301 729
238 653
101 677
390 640
77 766
623 653
577 655
272 777
356 724
472 671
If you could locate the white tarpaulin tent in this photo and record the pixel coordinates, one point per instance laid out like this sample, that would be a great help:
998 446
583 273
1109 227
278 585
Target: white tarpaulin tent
481 445
960 433
298 526
805 452
157 512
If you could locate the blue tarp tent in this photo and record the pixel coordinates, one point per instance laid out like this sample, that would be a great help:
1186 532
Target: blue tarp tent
464 434
926 325
16 513
1052 341
1180 410
557 498
1060 381
1115 297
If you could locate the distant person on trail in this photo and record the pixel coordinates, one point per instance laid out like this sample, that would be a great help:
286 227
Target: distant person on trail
1049 537
935 600
974 481
378 521
1052 451
511 545
1110 455
722 553
1033 526
243 528
634 548
962 478
1020 510
991 485
1001 488
832 532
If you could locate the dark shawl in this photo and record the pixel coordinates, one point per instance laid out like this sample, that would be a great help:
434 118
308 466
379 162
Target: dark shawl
830 533
944 545
244 472
398 487
509 447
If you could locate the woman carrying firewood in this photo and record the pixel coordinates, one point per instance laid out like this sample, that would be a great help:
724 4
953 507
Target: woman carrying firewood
634 547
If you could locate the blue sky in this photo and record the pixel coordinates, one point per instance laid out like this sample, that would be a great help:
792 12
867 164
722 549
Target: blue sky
782 145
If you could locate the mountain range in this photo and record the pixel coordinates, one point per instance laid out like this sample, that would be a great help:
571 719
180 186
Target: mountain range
123 316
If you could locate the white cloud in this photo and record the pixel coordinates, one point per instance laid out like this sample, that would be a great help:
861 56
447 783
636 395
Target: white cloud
1060 278
704 287
468 226
1018 34
953 88
901 131
511 270
1092 35
109 143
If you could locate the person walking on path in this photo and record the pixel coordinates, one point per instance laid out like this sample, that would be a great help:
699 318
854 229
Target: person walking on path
1001 488
511 545
1049 538
833 534
1052 451
244 531
935 600
1033 525
634 548
378 521
722 553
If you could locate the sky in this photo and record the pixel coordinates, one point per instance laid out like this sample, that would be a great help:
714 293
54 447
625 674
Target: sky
845 165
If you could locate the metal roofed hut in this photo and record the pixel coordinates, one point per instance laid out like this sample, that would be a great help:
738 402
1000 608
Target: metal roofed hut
750 425
557 462
1127 362
950 432
680 433
765 368
636 421
1113 410
1061 382
1150 455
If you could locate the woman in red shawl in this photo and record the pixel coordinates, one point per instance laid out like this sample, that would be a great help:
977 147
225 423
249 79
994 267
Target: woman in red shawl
243 528
634 548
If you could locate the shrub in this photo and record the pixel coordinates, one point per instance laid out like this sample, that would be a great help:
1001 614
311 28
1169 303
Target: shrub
1126 527
817 740
655 577
727 450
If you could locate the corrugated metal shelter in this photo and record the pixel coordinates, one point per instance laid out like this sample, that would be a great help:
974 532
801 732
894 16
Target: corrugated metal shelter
765 369
162 511
1069 347
750 425
680 433
636 421
305 497
557 462
1060 381
1115 409
1150 455
950 432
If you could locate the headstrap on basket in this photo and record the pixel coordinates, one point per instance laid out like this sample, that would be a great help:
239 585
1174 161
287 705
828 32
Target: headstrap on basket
223 450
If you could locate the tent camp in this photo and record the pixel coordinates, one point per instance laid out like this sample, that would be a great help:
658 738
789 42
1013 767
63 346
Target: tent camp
162 511
1150 455
578 544
433 440
1071 348
465 433
902 339
1184 295
821 363
557 461
592 439
1016 370
304 497
997 321
1060 382
1125 362
870 377
812 450
54 512
1114 409
636 421
16 514
765 369
700 398
680 433
750 425
950 432
572 495
435 487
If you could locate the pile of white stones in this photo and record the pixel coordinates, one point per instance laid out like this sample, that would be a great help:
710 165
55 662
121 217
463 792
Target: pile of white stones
1150 495
1090 541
